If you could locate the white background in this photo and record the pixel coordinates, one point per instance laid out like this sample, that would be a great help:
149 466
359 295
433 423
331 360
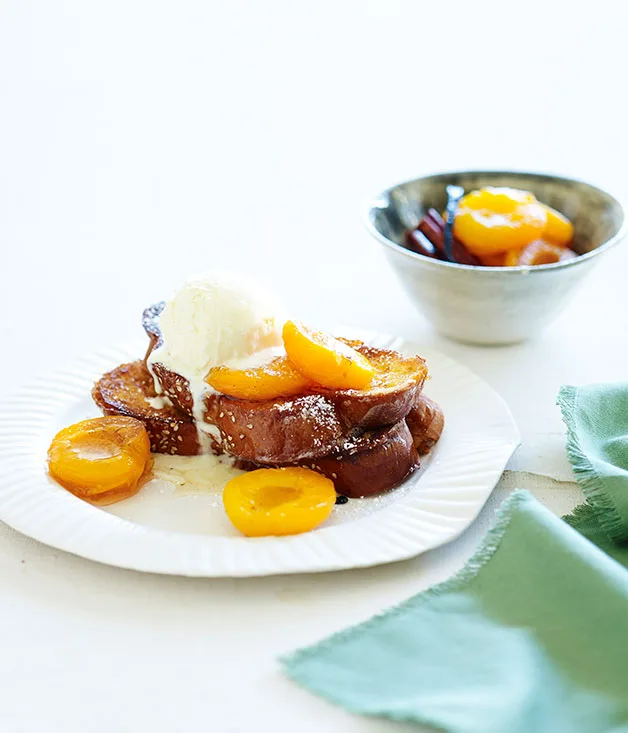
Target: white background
141 142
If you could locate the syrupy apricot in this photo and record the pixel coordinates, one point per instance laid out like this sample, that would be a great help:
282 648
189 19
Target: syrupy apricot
558 228
326 360
278 501
498 260
511 259
494 220
101 460
541 252
278 378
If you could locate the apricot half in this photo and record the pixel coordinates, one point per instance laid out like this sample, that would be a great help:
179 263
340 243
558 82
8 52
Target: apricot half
558 228
540 252
101 460
494 220
278 501
326 360
278 378
498 260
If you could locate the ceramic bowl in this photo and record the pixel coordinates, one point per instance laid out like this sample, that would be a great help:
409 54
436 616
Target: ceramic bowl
494 305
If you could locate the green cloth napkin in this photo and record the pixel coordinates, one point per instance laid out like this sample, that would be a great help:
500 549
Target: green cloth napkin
532 635
597 445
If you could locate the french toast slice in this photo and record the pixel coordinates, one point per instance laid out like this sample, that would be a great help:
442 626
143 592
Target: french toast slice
372 462
309 426
397 383
368 463
274 432
378 460
426 422
360 463
375 461
130 390
293 429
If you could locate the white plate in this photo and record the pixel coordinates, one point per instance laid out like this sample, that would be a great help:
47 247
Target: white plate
160 531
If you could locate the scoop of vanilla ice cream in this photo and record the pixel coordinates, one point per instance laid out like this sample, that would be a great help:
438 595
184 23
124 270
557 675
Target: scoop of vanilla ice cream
215 318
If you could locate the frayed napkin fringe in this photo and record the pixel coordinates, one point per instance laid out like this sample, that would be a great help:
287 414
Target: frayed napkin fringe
591 484
580 514
478 560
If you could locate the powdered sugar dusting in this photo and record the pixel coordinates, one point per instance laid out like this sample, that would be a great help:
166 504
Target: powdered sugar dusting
317 414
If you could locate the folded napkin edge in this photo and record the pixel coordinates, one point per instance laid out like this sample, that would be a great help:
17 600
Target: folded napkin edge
483 553
358 708
587 477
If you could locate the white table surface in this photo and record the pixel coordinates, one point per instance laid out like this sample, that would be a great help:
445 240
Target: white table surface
141 142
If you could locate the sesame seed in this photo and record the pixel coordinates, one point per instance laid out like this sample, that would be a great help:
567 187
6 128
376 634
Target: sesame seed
241 436
334 476
180 438
232 418
339 458
249 426
222 414
175 427
173 451
179 388
166 432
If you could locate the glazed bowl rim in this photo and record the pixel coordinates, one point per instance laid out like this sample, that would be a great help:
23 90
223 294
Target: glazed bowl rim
372 203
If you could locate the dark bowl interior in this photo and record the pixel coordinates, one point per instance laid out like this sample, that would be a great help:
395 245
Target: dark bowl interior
596 215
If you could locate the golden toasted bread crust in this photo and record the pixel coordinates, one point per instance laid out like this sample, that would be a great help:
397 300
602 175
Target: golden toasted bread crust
397 384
